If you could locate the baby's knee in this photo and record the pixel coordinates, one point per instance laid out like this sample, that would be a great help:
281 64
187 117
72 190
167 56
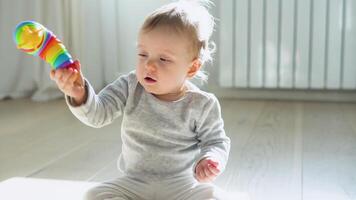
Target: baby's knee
209 192
103 192
92 194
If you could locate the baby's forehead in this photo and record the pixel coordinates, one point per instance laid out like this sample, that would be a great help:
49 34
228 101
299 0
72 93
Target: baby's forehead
166 30
165 36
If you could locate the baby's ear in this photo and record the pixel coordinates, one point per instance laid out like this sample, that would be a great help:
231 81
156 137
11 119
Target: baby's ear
194 68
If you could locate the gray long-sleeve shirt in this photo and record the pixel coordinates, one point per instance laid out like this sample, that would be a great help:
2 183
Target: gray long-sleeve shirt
160 139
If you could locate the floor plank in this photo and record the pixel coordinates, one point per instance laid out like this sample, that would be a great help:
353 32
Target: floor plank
267 162
329 153
92 157
239 120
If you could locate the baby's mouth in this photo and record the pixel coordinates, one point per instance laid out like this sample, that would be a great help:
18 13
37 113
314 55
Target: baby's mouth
150 80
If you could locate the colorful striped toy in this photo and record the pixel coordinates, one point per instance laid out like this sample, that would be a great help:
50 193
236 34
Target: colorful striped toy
33 38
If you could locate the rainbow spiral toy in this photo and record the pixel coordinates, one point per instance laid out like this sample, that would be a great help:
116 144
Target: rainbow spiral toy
33 38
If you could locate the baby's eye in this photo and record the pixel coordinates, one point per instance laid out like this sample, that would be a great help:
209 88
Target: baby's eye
142 55
164 60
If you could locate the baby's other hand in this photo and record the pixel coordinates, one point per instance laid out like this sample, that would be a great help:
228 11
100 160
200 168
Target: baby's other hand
71 82
206 170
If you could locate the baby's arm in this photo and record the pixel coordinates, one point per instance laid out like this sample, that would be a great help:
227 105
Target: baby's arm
213 142
101 109
93 110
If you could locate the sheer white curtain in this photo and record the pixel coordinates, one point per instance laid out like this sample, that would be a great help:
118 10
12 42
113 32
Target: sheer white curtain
88 29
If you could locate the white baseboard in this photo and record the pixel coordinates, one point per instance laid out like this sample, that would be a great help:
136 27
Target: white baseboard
278 94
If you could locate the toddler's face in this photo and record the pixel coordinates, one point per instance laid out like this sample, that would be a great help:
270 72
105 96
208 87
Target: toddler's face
164 61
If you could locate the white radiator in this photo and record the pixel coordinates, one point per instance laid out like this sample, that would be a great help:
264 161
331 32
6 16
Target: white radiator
288 44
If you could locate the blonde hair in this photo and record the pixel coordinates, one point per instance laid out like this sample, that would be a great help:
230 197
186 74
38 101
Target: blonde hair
189 17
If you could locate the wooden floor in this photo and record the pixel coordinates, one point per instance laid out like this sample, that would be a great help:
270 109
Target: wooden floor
280 150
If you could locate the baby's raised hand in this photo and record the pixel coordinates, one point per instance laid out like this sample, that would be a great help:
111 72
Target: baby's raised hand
71 82
206 170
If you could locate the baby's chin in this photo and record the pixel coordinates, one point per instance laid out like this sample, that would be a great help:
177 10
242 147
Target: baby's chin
150 88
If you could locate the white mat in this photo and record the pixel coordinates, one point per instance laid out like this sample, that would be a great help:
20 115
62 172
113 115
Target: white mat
43 189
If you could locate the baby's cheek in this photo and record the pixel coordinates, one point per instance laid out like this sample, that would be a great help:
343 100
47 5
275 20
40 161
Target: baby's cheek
138 73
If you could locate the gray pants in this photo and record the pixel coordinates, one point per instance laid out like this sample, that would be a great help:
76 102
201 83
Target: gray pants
178 188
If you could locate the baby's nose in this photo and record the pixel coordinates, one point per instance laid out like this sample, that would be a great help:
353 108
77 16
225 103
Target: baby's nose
151 66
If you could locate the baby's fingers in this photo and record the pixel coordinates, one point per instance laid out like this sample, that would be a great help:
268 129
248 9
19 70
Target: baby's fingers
58 75
67 73
52 74
209 173
68 80
73 77
205 176
213 169
211 162
201 176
